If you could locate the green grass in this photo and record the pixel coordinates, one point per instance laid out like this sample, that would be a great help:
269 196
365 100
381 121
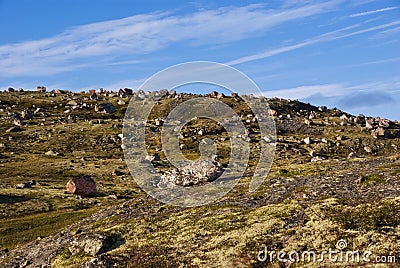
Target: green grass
14 232
367 217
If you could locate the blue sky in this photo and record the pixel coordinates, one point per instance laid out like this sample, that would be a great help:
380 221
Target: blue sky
336 53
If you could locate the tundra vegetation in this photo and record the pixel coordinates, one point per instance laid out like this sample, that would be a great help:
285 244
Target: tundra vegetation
335 176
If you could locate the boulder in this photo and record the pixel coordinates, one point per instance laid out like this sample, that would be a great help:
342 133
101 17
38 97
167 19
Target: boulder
380 132
27 114
83 186
369 124
13 129
94 244
25 185
385 123
213 94
126 91
197 172
41 89
18 122
105 108
59 91
93 96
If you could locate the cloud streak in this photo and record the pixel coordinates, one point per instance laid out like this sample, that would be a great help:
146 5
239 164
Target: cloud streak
372 12
140 34
390 86
329 36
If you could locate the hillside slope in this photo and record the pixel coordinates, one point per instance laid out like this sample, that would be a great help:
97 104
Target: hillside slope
335 176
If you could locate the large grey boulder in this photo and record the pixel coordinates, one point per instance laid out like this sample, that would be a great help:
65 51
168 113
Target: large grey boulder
195 173
94 244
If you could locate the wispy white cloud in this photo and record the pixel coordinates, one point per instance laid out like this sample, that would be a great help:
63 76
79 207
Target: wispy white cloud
390 60
125 62
391 31
133 83
329 36
390 86
75 48
372 12
303 92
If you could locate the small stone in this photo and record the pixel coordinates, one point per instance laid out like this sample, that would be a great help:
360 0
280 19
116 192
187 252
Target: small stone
360 179
183 146
153 157
322 108
307 140
272 112
367 149
352 155
113 196
340 138
317 158
159 122
51 153
118 173
72 103
25 185
13 129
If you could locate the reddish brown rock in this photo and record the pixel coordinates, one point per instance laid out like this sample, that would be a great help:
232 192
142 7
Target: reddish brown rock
83 186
